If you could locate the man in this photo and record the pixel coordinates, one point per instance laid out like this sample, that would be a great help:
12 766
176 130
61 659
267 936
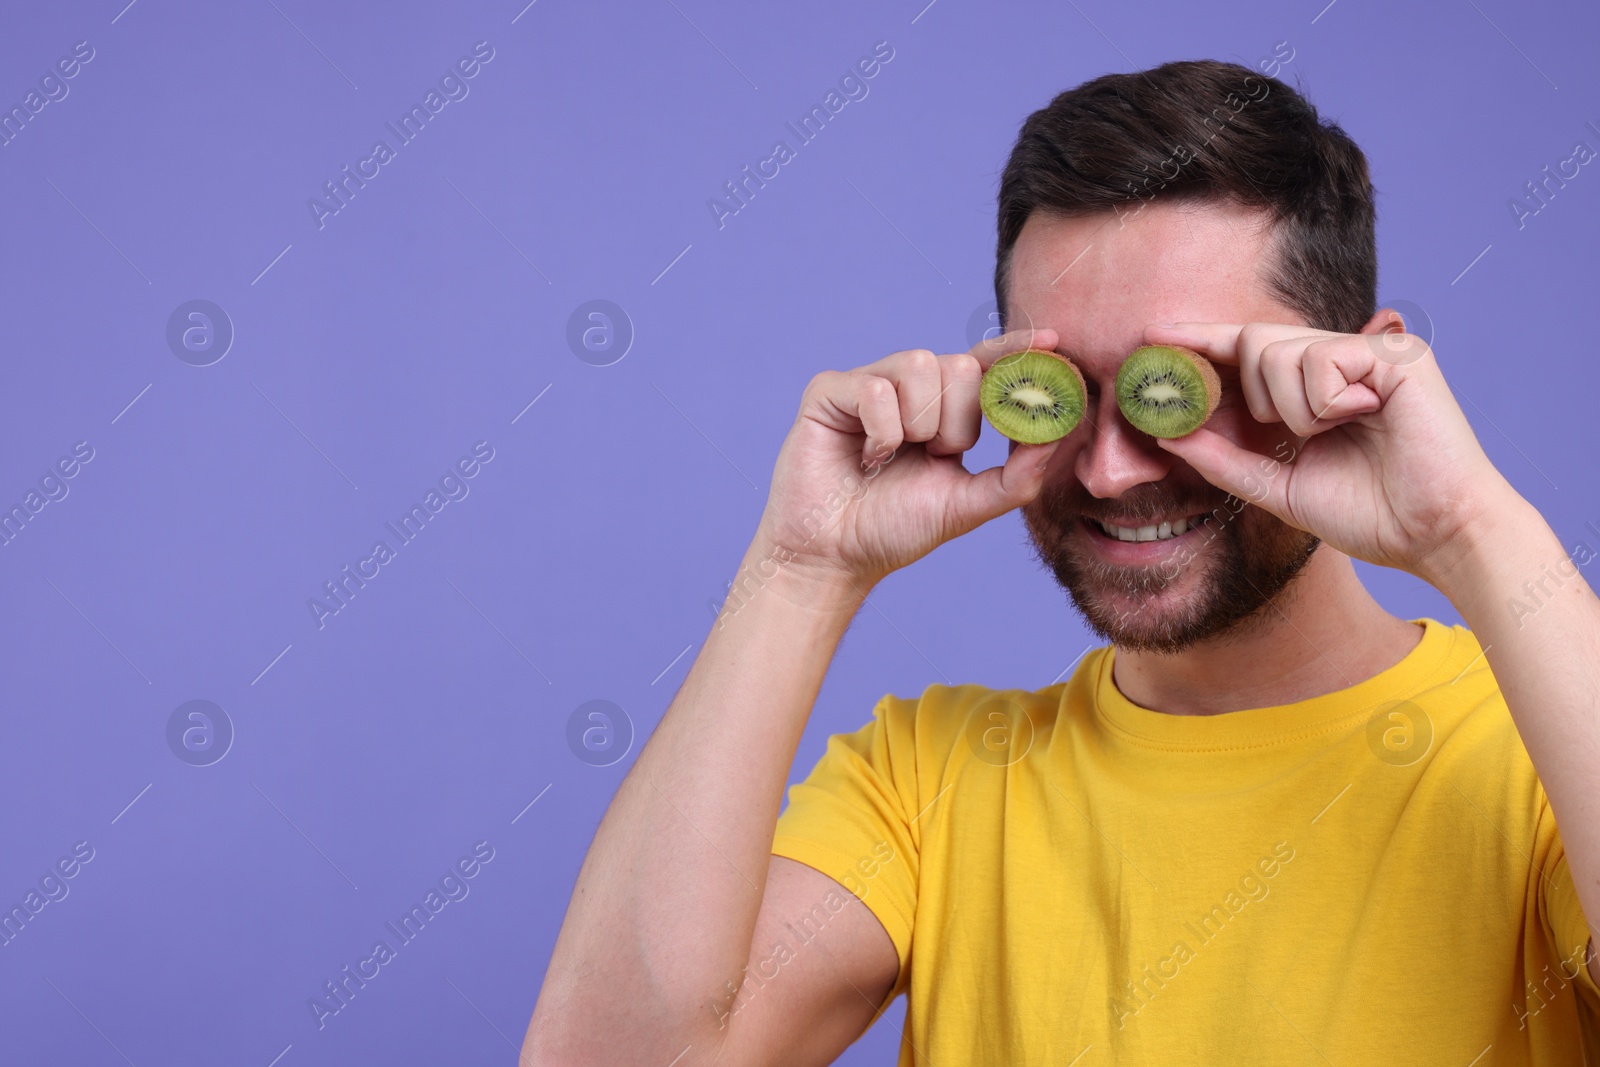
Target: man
1269 821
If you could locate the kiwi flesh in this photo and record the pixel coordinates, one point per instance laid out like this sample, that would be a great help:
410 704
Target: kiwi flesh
1033 396
1167 390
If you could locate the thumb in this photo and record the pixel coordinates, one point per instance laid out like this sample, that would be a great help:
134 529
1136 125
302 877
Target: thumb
1261 480
991 493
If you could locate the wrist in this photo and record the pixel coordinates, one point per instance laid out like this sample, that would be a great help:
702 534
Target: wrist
773 573
1493 546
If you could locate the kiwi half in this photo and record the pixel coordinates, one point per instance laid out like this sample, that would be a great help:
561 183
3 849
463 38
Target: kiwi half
1033 396
1167 390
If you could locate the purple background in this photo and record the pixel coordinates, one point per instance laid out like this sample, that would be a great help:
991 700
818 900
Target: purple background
428 313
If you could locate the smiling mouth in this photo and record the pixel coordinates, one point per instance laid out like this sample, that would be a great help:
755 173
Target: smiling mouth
1162 531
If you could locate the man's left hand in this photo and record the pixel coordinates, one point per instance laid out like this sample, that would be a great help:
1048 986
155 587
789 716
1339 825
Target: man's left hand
1389 470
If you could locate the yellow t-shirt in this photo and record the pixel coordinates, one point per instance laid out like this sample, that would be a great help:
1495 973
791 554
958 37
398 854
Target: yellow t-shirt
1372 876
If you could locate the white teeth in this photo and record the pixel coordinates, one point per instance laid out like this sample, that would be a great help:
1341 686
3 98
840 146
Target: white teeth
1164 531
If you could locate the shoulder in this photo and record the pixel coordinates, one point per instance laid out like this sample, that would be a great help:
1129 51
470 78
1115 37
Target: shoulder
1460 731
982 718
1460 693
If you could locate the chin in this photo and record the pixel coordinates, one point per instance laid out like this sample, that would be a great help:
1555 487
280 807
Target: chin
1215 582
1148 612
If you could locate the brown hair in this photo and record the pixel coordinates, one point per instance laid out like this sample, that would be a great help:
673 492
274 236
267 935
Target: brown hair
1229 134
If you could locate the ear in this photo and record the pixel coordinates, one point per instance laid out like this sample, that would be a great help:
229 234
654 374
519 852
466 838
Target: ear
1385 320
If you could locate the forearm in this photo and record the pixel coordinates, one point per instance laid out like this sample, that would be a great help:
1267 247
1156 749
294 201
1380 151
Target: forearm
1539 622
666 901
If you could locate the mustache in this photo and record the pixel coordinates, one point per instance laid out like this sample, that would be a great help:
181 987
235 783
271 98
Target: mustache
1152 501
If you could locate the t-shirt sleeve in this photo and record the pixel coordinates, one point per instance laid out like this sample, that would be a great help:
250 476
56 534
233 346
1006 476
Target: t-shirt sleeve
852 819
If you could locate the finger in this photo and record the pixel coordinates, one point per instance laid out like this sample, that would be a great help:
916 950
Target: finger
1251 347
1261 480
1226 342
1335 380
878 407
917 375
994 492
858 402
959 414
1355 401
917 378
1215 340
988 351
1284 377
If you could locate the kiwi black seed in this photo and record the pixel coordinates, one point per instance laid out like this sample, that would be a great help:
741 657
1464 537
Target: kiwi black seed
1033 396
1167 390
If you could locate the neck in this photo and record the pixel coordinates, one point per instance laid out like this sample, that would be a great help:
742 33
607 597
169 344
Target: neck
1323 633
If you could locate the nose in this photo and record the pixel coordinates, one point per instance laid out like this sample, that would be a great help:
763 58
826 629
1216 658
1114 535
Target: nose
1117 456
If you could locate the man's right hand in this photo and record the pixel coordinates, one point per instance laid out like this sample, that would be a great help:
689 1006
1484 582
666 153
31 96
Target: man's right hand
680 890
870 477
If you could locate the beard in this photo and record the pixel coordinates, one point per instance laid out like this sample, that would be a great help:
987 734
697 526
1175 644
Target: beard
1221 580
